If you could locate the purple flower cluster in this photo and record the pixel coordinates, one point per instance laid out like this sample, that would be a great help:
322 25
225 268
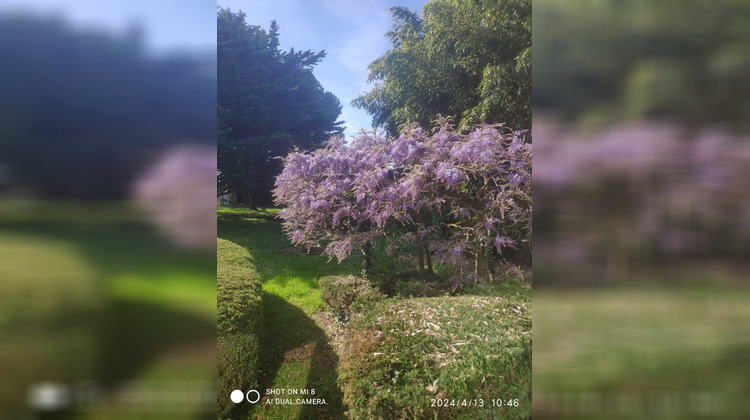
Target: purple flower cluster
345 195
623 197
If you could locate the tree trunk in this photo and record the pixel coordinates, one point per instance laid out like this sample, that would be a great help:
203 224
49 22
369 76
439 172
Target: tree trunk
428 257
490 269
420 254
245 197
424 249
366 259
250 201
477 259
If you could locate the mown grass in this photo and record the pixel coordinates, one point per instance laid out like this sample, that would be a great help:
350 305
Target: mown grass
295 352
291 276
642 353
298 355
156 327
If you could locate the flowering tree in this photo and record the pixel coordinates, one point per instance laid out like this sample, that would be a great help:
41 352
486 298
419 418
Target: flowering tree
178 196
475 187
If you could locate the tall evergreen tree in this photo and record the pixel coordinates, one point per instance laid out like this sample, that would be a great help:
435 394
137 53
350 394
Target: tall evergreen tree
269 102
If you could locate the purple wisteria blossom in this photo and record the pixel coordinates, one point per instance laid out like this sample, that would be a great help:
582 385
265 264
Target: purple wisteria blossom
476 188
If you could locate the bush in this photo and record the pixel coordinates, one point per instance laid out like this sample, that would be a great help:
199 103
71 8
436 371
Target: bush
403 354
50 306
239 323
342 294
418 289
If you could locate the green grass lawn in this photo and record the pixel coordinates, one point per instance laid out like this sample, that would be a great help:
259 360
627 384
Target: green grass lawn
297 353
642 353
156 329
291 276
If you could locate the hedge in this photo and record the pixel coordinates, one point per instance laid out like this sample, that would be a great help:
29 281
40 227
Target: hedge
239 323
50 314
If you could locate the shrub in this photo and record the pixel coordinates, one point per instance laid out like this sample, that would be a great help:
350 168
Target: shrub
418 289
50 306
339 295
239 323
405 353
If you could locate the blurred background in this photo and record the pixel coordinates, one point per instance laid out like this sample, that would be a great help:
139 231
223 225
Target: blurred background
642 209
107 209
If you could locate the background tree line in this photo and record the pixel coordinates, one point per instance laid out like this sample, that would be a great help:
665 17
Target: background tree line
468 60
269 102
83 111
605 61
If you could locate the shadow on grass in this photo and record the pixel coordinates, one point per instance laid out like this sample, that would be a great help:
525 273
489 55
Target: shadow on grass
264 241
243 214
137 332
120 248
296 355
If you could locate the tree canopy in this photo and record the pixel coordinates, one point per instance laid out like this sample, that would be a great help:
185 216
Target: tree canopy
454 192
82 111
608 60
269 102
470 60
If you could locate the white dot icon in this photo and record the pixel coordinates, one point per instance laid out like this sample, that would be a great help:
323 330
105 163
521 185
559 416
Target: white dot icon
48 396
237 396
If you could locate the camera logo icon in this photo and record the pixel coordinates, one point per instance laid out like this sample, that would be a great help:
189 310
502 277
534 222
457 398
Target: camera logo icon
252 396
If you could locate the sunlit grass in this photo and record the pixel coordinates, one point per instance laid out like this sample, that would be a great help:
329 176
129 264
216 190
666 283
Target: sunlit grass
186 290
290 275
158 304
295 353
645 344
296 291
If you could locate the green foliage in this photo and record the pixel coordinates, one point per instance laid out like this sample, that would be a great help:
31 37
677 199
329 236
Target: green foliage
651 344
50 306
470 60
239 322
400 278
607 60
412 288
404 353
339 293
269 102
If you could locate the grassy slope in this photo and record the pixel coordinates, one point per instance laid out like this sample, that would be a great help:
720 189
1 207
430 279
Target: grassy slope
159 310
642 353
296 353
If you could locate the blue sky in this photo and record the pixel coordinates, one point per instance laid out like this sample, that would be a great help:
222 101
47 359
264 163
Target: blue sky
168 24
352 32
